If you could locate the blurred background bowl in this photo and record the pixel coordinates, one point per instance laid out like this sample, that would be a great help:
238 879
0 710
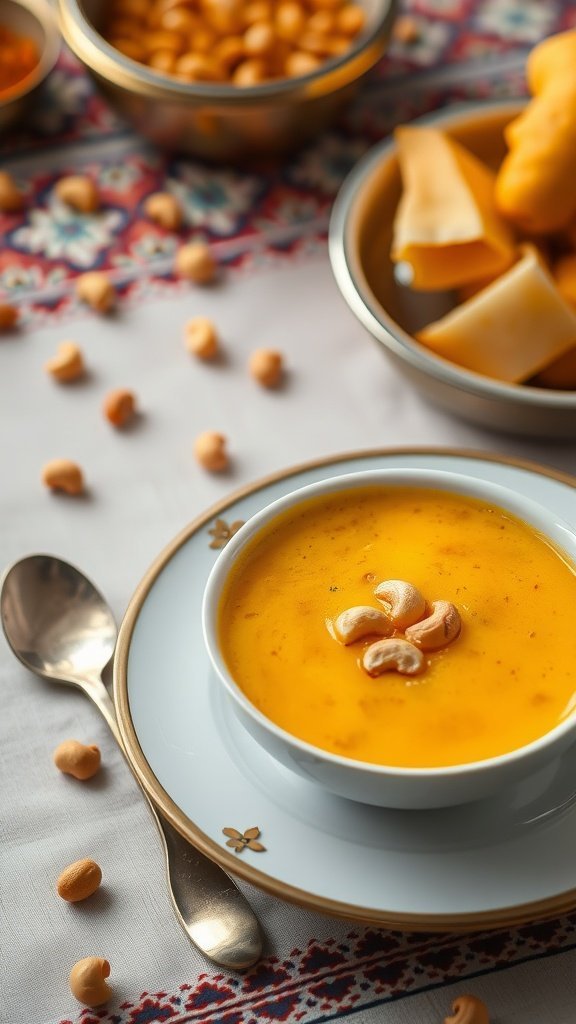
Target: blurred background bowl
221 121
35 20
360 238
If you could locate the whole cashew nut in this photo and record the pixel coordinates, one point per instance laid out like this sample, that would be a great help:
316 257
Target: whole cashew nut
87 981
393 655
63 475
67 364
468 1010
403 602
360 621
440 628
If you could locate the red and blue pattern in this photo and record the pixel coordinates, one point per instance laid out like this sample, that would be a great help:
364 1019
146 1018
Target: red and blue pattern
370 968
268 212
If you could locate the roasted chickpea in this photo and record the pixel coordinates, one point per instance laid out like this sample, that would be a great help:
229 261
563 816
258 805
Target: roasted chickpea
210 451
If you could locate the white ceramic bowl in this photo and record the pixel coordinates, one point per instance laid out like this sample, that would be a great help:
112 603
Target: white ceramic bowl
358 780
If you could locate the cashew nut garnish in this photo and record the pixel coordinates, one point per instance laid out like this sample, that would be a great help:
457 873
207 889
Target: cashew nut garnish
393 655
440 628
403 602
468 1010
360 621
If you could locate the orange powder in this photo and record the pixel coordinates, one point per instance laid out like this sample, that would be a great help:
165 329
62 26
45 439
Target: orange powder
509 678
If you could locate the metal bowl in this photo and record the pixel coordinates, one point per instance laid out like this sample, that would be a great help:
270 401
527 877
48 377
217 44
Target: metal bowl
32 18
359 243
220 121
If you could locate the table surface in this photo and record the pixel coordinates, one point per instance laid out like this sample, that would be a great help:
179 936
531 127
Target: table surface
267 227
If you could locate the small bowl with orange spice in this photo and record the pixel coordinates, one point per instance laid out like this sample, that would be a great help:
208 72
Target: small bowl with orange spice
228 79
29 45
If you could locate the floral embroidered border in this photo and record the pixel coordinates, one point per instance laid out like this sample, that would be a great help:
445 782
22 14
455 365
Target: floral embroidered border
326 979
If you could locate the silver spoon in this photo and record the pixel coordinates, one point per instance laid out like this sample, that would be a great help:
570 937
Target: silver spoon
61 628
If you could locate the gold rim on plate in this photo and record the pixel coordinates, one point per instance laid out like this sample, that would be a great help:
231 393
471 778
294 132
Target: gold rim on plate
481 920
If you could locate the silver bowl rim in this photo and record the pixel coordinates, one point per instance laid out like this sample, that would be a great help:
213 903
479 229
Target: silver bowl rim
75 26
46 18
363 303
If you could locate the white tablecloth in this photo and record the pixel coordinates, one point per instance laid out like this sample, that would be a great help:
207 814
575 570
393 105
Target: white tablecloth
341 394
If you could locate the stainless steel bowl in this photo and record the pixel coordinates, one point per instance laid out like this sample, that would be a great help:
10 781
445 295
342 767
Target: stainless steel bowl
359 243
219 121
35 19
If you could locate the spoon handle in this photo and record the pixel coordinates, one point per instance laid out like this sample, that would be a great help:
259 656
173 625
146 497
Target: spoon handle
210 907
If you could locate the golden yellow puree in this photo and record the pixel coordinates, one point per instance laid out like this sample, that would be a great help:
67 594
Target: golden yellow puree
508 679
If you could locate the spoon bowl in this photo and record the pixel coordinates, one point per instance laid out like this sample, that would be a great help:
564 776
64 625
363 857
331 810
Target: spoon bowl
55 620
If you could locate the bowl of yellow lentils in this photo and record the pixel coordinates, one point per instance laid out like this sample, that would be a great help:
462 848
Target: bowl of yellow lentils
228 80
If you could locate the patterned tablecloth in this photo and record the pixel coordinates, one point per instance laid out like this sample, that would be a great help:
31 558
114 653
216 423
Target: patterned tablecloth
267 227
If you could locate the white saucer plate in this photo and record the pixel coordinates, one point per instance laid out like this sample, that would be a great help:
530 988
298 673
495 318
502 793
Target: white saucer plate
488 864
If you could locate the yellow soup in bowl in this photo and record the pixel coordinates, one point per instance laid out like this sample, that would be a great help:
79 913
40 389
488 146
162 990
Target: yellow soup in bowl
504 677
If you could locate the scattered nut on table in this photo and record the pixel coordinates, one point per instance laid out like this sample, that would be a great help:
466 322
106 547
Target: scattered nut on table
87 981
67 364
119 407
79 880
468 1010
79 192
210 451
266 365
96 289
406 30
195 262
164 209
201 338
8 316
11 198
77 759
63 475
